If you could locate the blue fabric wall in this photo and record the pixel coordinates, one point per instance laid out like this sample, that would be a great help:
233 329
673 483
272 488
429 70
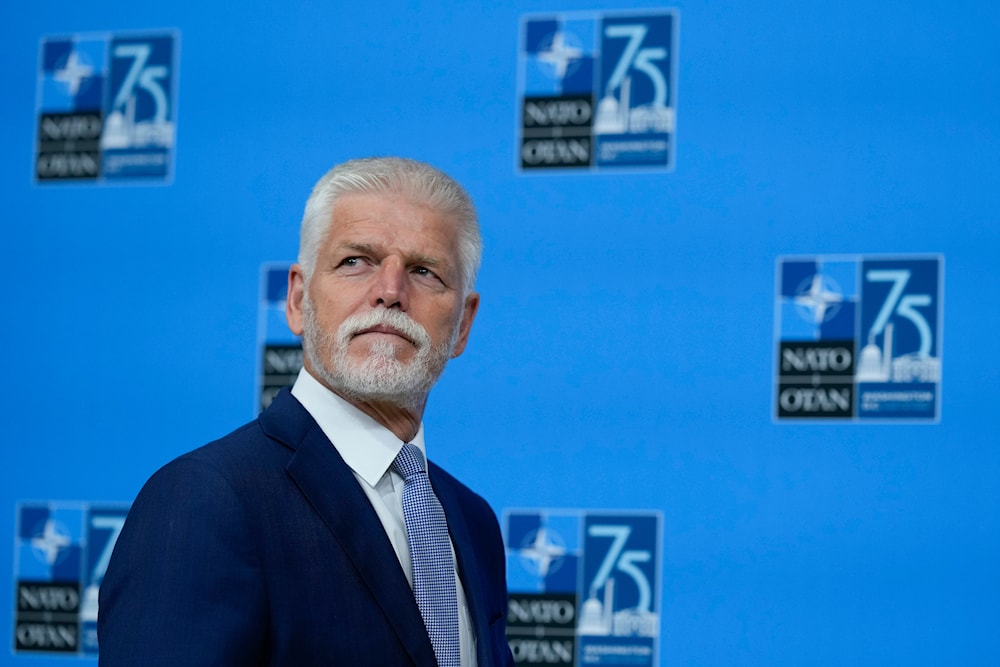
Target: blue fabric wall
625 352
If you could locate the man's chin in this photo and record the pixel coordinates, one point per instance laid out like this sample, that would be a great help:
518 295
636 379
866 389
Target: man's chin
381 387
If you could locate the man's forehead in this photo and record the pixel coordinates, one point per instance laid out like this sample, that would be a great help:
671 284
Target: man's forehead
383 219
430 242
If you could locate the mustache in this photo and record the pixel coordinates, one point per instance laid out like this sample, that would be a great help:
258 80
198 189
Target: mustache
381 317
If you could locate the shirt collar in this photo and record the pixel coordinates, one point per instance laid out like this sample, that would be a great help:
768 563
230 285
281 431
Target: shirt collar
366 446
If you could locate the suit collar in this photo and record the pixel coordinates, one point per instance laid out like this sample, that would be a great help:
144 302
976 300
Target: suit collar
329 485
366 446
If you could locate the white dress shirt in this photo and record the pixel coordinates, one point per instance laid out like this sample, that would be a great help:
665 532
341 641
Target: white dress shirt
369 449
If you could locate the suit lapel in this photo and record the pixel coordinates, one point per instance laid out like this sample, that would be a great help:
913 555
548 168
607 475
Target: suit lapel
332 490
465 555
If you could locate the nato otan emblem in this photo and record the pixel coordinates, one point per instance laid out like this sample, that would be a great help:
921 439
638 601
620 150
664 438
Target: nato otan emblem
598 91
106 108
859 338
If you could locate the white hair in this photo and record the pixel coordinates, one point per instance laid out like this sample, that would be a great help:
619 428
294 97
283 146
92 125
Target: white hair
392 175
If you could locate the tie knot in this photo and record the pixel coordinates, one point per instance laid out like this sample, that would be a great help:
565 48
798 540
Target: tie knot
409 461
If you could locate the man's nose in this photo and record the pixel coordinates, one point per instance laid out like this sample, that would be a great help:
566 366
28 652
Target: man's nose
391 286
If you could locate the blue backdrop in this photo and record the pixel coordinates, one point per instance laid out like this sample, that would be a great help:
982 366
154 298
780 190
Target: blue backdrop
625 353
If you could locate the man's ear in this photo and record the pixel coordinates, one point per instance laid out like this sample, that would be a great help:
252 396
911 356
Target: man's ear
296 295
469 310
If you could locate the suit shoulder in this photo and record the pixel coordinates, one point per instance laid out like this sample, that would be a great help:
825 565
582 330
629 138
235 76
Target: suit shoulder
239 455
248 440
469 499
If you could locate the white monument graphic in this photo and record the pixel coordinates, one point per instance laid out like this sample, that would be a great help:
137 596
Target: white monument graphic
878 364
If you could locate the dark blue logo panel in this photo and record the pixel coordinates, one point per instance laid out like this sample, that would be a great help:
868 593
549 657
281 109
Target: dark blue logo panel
899 370
859 338
598 91
107 108
583 587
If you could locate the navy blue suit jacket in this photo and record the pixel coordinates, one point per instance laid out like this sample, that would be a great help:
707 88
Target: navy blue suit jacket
262 549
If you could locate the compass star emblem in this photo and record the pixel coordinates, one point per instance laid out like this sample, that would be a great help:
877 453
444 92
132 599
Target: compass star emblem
544 551
818 299
73 73
560 54
49 543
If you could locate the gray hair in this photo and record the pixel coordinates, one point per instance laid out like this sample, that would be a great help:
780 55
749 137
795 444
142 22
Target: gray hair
391 175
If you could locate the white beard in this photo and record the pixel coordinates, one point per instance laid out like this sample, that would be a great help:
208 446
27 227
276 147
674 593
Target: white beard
381 377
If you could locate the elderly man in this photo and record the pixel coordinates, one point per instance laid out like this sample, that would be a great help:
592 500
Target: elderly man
311 536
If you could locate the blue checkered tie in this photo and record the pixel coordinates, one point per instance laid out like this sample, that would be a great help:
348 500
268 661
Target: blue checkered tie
430 551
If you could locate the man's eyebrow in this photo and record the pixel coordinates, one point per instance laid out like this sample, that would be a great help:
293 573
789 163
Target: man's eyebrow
365 248
428 260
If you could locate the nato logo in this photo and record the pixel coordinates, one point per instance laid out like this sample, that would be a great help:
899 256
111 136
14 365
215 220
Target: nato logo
61 553
583 587
106 108
858 338
598 91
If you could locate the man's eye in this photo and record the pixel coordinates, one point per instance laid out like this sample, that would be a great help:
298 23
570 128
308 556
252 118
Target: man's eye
424 272
350 261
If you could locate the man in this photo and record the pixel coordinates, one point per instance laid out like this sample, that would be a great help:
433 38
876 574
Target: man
286 542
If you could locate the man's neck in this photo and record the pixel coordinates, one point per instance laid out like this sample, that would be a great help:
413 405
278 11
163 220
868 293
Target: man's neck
401 421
